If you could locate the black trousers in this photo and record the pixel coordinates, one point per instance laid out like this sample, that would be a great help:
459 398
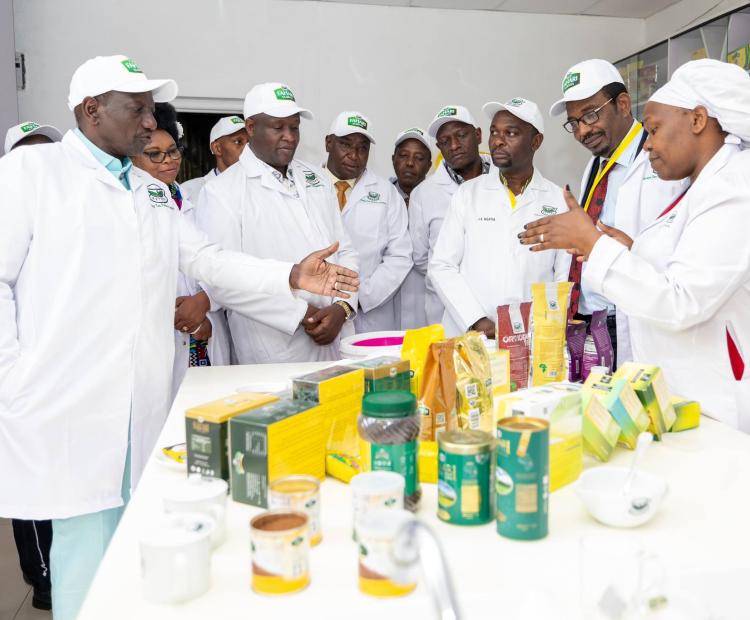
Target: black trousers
33 541
611 328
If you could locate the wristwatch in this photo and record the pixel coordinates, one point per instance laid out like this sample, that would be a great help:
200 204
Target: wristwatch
348 311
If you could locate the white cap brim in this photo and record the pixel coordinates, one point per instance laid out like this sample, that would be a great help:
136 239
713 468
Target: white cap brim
558 107
493 107
412 136
435 125
281 111
162 91
341 134
53 133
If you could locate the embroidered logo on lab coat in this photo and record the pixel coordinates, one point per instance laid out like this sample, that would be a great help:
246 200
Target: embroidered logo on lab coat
311 179
548 210
372 197
158 196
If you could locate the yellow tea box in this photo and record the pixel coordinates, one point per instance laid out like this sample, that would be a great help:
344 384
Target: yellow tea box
623 405
206 431
281 439
688 413
560 404
649 384
385 374
427 457
600 430
328 384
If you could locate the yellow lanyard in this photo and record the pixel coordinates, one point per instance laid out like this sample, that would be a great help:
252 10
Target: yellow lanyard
634 131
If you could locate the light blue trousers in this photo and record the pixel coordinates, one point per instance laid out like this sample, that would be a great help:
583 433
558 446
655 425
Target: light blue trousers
78 546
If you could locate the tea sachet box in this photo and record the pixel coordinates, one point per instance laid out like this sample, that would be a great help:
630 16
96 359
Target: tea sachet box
649 384
619 398
688 414
328 384
385 374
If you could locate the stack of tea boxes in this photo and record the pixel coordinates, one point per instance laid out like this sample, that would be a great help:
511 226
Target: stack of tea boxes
251 439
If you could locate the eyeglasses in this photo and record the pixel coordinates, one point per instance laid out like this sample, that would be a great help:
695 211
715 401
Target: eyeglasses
587 119
158 157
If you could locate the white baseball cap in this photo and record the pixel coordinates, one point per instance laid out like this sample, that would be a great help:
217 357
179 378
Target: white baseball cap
106 73
584 80
18 132
520 108
350 122
448 114
275 99
413 133
225 127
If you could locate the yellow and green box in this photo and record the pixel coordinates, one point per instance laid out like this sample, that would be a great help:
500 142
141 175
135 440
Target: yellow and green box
688 414
325 385
281 439
206 431
600 429
649 384
623 405
385 374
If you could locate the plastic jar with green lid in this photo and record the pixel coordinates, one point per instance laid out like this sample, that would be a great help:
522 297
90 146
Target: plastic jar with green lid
388 431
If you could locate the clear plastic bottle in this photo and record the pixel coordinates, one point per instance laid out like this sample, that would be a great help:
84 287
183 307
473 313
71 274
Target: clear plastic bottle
388 431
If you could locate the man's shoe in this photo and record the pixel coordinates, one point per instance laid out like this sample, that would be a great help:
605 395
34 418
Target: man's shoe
41 600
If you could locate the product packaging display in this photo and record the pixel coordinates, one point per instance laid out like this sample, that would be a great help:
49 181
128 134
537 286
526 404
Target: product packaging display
283 438
388 430
598 349
687 412
473 383
206 431
385 374
649 384
514 334
325 385
375 490
575 339
301 494
549 310
623 405
415 349
437 399
427 461
600 429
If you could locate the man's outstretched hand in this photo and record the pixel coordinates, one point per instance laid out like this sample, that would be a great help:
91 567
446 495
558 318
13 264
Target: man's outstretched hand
316 275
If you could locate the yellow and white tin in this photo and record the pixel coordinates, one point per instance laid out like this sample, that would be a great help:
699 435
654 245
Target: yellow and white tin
300 493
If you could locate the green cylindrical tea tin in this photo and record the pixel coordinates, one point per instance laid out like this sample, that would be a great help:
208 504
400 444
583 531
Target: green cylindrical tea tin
465 477
522 477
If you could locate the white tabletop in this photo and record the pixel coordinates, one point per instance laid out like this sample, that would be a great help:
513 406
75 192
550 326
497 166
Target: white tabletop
700 536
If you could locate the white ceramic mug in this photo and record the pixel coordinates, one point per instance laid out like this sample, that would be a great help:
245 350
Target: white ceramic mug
176 558
204 495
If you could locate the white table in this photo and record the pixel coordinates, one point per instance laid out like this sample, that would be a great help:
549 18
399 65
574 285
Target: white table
701 536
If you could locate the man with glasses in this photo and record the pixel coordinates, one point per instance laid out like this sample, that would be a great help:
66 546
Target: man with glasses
619 189
226 141
458 137
374 215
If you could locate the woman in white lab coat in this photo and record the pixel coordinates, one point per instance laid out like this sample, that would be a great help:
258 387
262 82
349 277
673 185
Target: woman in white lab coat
684 281
201 337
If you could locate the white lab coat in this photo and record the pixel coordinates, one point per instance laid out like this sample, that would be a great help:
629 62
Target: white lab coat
246 209
642 197
88 274
375 218
685 283
218 343
191 189
478 262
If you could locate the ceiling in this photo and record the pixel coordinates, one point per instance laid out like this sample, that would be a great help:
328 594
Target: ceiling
609 8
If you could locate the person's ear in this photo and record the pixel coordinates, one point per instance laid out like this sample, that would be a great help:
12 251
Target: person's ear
329 143
479 135
250 128
536 141
90 109
698 120
624 104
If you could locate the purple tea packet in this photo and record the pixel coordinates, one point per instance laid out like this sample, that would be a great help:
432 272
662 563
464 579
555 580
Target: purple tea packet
576 337
603 343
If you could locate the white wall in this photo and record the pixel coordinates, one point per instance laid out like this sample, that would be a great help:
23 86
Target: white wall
398 65
8 102
684 15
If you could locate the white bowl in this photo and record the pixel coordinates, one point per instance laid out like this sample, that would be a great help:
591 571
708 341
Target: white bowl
601 490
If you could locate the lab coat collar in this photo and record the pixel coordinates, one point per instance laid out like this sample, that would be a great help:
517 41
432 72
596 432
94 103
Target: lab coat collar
366 178
255 168
492 180
85 157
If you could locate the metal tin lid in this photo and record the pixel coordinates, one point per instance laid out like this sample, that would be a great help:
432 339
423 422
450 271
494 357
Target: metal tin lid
521 423
395 404
465 442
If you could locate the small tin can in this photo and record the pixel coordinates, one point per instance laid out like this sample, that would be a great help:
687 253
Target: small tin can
465 494
522 477
281 552
298 493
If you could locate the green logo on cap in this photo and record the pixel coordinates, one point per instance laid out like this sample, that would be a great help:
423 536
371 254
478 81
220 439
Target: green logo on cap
571 80
131 66
447 112
357 121
415 130
27 127
284 94
236 120
517 102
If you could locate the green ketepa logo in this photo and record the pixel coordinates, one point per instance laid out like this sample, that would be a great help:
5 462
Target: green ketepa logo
547 210
447 112
284 94
236 120
357 121
571 80
517 102
158 196
130 66
27 127
373 196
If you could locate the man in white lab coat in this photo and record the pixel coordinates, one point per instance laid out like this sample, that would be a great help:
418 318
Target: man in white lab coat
89 254
412 159
374 216
275 206
478 263
458 137
619 187
226 141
